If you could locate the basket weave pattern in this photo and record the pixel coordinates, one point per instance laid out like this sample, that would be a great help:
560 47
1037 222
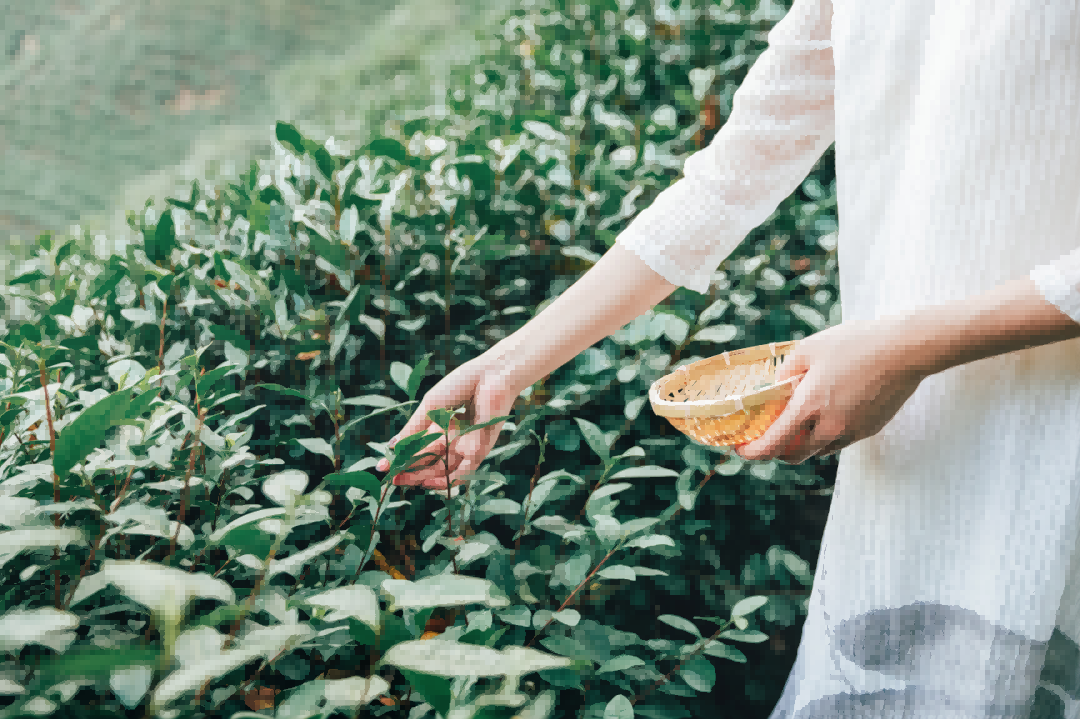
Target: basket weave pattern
714 401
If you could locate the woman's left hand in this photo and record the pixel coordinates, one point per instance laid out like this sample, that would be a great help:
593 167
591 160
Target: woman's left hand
858 376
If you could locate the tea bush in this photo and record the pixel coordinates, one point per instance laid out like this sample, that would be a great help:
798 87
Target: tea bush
188 526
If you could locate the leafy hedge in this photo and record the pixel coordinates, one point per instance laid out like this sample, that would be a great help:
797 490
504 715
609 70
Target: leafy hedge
187 428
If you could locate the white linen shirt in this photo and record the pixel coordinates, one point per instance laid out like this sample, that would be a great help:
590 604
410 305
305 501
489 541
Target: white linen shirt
948 582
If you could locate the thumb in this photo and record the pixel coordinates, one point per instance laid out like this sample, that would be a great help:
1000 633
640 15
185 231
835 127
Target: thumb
793 364
781 432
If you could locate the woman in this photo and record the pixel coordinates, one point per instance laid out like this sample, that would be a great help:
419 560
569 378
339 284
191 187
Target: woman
952 387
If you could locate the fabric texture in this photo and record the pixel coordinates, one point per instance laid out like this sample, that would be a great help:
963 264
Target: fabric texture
948 581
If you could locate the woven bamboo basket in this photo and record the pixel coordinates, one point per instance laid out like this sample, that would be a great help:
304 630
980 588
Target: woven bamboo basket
727 400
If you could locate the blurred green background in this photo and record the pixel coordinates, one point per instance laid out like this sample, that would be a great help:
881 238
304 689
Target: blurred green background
108 103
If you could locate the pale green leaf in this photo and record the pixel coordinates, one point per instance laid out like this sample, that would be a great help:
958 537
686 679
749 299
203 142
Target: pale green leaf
619 708
620 663
646 471
679 623
748 605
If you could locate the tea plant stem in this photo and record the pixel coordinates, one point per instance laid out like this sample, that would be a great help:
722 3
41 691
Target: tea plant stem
666 677
123 489
528 498
187 487
374 523
576 590
52 435
161 346
44 375
337 434
85 566
449 498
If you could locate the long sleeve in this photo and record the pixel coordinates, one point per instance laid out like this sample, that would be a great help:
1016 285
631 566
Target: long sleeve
780 125
1059 282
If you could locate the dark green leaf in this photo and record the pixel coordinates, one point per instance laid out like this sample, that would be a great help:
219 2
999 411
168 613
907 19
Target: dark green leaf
91 662
325 162
87 342
248 539
221 615
164 239
141 404
219 269
278 388
45 240
7 417
388 147
482 425
89 430
64 252
335 253
228 334
289 136
362 634
594 437
165 283
435 690
361 480
417 376
27 278
64 307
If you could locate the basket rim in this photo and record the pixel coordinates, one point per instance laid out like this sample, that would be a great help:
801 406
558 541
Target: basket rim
727 405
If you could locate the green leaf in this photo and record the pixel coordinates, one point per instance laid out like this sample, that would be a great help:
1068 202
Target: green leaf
620 663
164 239
249 539
679 623
416 376
594 437
325 162
89 430
388 147
435 690
317 445
361 480
87 342
619 708
64 252
647 471
335 253
207 381
442 416
278 388
751 637
291 138
699 673
91 662
64 307
354 304
28 278
400 373
482 425
747 605
724 651
109 278
221 615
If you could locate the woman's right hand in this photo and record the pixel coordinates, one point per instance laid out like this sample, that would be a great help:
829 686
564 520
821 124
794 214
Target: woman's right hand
485 396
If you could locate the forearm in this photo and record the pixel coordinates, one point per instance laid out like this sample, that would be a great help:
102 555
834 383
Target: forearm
1013 316
612 293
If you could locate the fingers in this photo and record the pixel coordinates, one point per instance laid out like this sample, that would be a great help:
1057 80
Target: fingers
787 427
